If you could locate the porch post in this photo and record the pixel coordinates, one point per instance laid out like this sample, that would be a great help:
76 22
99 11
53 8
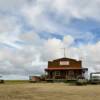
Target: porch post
66 77
54 75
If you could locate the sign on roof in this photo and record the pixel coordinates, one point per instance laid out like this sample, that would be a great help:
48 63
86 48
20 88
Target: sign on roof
64 62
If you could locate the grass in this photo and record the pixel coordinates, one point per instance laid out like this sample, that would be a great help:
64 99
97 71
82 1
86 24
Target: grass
16 81
48 91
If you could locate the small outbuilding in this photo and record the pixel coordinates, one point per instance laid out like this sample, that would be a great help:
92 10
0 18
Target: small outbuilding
35 78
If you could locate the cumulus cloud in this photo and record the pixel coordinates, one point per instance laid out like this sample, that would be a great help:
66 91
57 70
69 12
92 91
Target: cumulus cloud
11 5
8 24
60 11
33 56
24 52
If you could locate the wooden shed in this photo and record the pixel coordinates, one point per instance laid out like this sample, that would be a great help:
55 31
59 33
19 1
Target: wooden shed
34 78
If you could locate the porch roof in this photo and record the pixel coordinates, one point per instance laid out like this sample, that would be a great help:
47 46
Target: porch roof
62 68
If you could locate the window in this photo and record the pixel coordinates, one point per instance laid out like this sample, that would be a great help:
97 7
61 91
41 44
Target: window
57 73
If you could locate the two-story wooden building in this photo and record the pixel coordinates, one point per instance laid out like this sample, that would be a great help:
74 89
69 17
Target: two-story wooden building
65 68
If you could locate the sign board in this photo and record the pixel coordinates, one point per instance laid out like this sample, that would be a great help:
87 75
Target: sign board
64 62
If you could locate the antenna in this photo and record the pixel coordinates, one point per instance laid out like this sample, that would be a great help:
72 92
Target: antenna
64 51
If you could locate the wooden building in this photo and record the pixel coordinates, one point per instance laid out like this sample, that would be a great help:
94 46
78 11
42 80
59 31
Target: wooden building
65 68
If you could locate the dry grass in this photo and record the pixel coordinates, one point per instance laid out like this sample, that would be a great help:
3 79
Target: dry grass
48 91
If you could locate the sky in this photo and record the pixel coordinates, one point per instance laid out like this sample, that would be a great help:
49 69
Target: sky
35 31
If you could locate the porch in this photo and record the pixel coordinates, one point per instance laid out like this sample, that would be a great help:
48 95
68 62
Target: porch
71 74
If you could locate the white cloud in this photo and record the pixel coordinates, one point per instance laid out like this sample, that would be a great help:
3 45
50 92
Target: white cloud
51 49
89 53
12 5
32 57
8 24
36 13
20 58
63 11
32 52
79 9
68 40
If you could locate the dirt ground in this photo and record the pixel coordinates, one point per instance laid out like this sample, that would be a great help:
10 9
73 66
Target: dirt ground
48 91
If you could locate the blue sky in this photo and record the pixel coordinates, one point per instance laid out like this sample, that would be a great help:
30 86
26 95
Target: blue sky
34 31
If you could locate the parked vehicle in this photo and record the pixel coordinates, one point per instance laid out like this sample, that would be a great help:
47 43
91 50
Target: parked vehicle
1 80
95 78
81 81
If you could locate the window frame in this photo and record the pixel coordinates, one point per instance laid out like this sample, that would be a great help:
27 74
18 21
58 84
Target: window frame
57 73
